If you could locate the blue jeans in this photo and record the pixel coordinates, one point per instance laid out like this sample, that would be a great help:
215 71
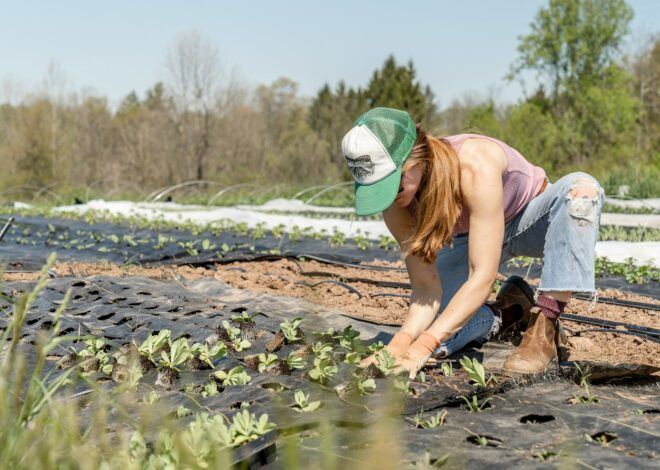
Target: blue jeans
559 225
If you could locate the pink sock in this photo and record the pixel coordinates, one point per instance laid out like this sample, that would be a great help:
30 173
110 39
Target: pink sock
550 307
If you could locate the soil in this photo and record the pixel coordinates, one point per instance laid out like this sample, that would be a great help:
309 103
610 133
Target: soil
283 277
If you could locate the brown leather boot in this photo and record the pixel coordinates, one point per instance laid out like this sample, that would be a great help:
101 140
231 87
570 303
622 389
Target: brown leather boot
538 347
514 300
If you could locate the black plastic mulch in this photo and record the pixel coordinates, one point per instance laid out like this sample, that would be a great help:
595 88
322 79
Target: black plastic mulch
525 418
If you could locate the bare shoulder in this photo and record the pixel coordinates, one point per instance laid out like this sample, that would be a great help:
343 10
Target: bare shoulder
482 154
482 164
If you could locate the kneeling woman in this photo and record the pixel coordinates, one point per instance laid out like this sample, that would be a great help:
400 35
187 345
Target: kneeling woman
460 206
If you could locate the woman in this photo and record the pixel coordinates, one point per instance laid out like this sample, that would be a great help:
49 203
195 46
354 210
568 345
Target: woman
459 207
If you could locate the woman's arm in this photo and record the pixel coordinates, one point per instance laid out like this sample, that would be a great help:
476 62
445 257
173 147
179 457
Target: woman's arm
424 279
481 182
482 191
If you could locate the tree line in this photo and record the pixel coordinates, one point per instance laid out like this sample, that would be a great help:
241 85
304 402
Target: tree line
590 107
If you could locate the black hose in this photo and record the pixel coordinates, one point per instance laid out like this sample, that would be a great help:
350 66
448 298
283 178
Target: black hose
619 302
611 324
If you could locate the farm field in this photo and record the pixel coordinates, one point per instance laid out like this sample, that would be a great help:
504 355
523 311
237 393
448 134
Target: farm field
177 344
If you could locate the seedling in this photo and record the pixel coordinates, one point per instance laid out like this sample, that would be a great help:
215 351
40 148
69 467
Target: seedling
244 317
247 427
352 357
475 371
337 238
295 361
321 350
266 361
346 337
402 384
303 405
210 389
289 329
153 344
447 369
234 335
385 362
387 243
473 406
234 376
361 241
178 355
206 355
364 386
375 347
433 422
584 383
324 369
545 455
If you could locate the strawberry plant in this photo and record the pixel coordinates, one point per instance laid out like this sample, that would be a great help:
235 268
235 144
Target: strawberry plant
473 406
233 376
475 371
205 355
153 344
433 422
289 329
295 361
385 362
321 350
246 427
364 386
234 334
324 369
303 405
178 354
266 361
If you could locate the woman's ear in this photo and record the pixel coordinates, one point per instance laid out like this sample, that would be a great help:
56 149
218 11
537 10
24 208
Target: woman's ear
410 181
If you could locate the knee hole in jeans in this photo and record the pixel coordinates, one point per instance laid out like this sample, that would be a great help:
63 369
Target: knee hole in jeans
582 201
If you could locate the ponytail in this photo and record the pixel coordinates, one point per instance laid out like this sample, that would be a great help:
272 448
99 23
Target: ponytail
439 196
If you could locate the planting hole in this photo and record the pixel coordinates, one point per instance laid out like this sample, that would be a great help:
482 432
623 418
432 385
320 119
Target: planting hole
488 441
239 404
604 437
123 320
106 316
274 386
651 411
536 419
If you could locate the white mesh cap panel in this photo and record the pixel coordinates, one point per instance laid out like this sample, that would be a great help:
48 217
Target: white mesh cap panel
367 159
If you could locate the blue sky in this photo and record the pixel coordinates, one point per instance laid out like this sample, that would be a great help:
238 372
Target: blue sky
114 47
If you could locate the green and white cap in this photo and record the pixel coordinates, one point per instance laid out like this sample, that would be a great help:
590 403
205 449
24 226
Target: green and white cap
375 149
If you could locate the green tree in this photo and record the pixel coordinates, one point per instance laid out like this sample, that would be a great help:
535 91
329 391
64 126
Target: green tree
573 48
396 86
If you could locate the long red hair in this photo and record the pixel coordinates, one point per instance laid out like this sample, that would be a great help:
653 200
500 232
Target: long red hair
438 197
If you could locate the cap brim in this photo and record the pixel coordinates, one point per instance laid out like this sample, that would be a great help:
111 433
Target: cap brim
374 198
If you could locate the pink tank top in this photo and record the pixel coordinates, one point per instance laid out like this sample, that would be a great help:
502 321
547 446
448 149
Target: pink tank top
522 181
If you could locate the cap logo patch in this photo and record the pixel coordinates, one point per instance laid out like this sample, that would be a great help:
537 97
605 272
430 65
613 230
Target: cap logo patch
361 167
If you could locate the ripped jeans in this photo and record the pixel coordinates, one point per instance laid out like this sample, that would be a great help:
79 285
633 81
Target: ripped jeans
559 225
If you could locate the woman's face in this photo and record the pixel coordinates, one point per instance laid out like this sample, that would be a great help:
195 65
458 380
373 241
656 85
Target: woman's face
410 181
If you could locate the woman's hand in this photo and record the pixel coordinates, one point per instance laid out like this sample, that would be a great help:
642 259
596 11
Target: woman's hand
418 354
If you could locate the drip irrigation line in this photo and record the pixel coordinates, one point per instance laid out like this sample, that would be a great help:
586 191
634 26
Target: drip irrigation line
351 289
611 324
619 302
623 332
